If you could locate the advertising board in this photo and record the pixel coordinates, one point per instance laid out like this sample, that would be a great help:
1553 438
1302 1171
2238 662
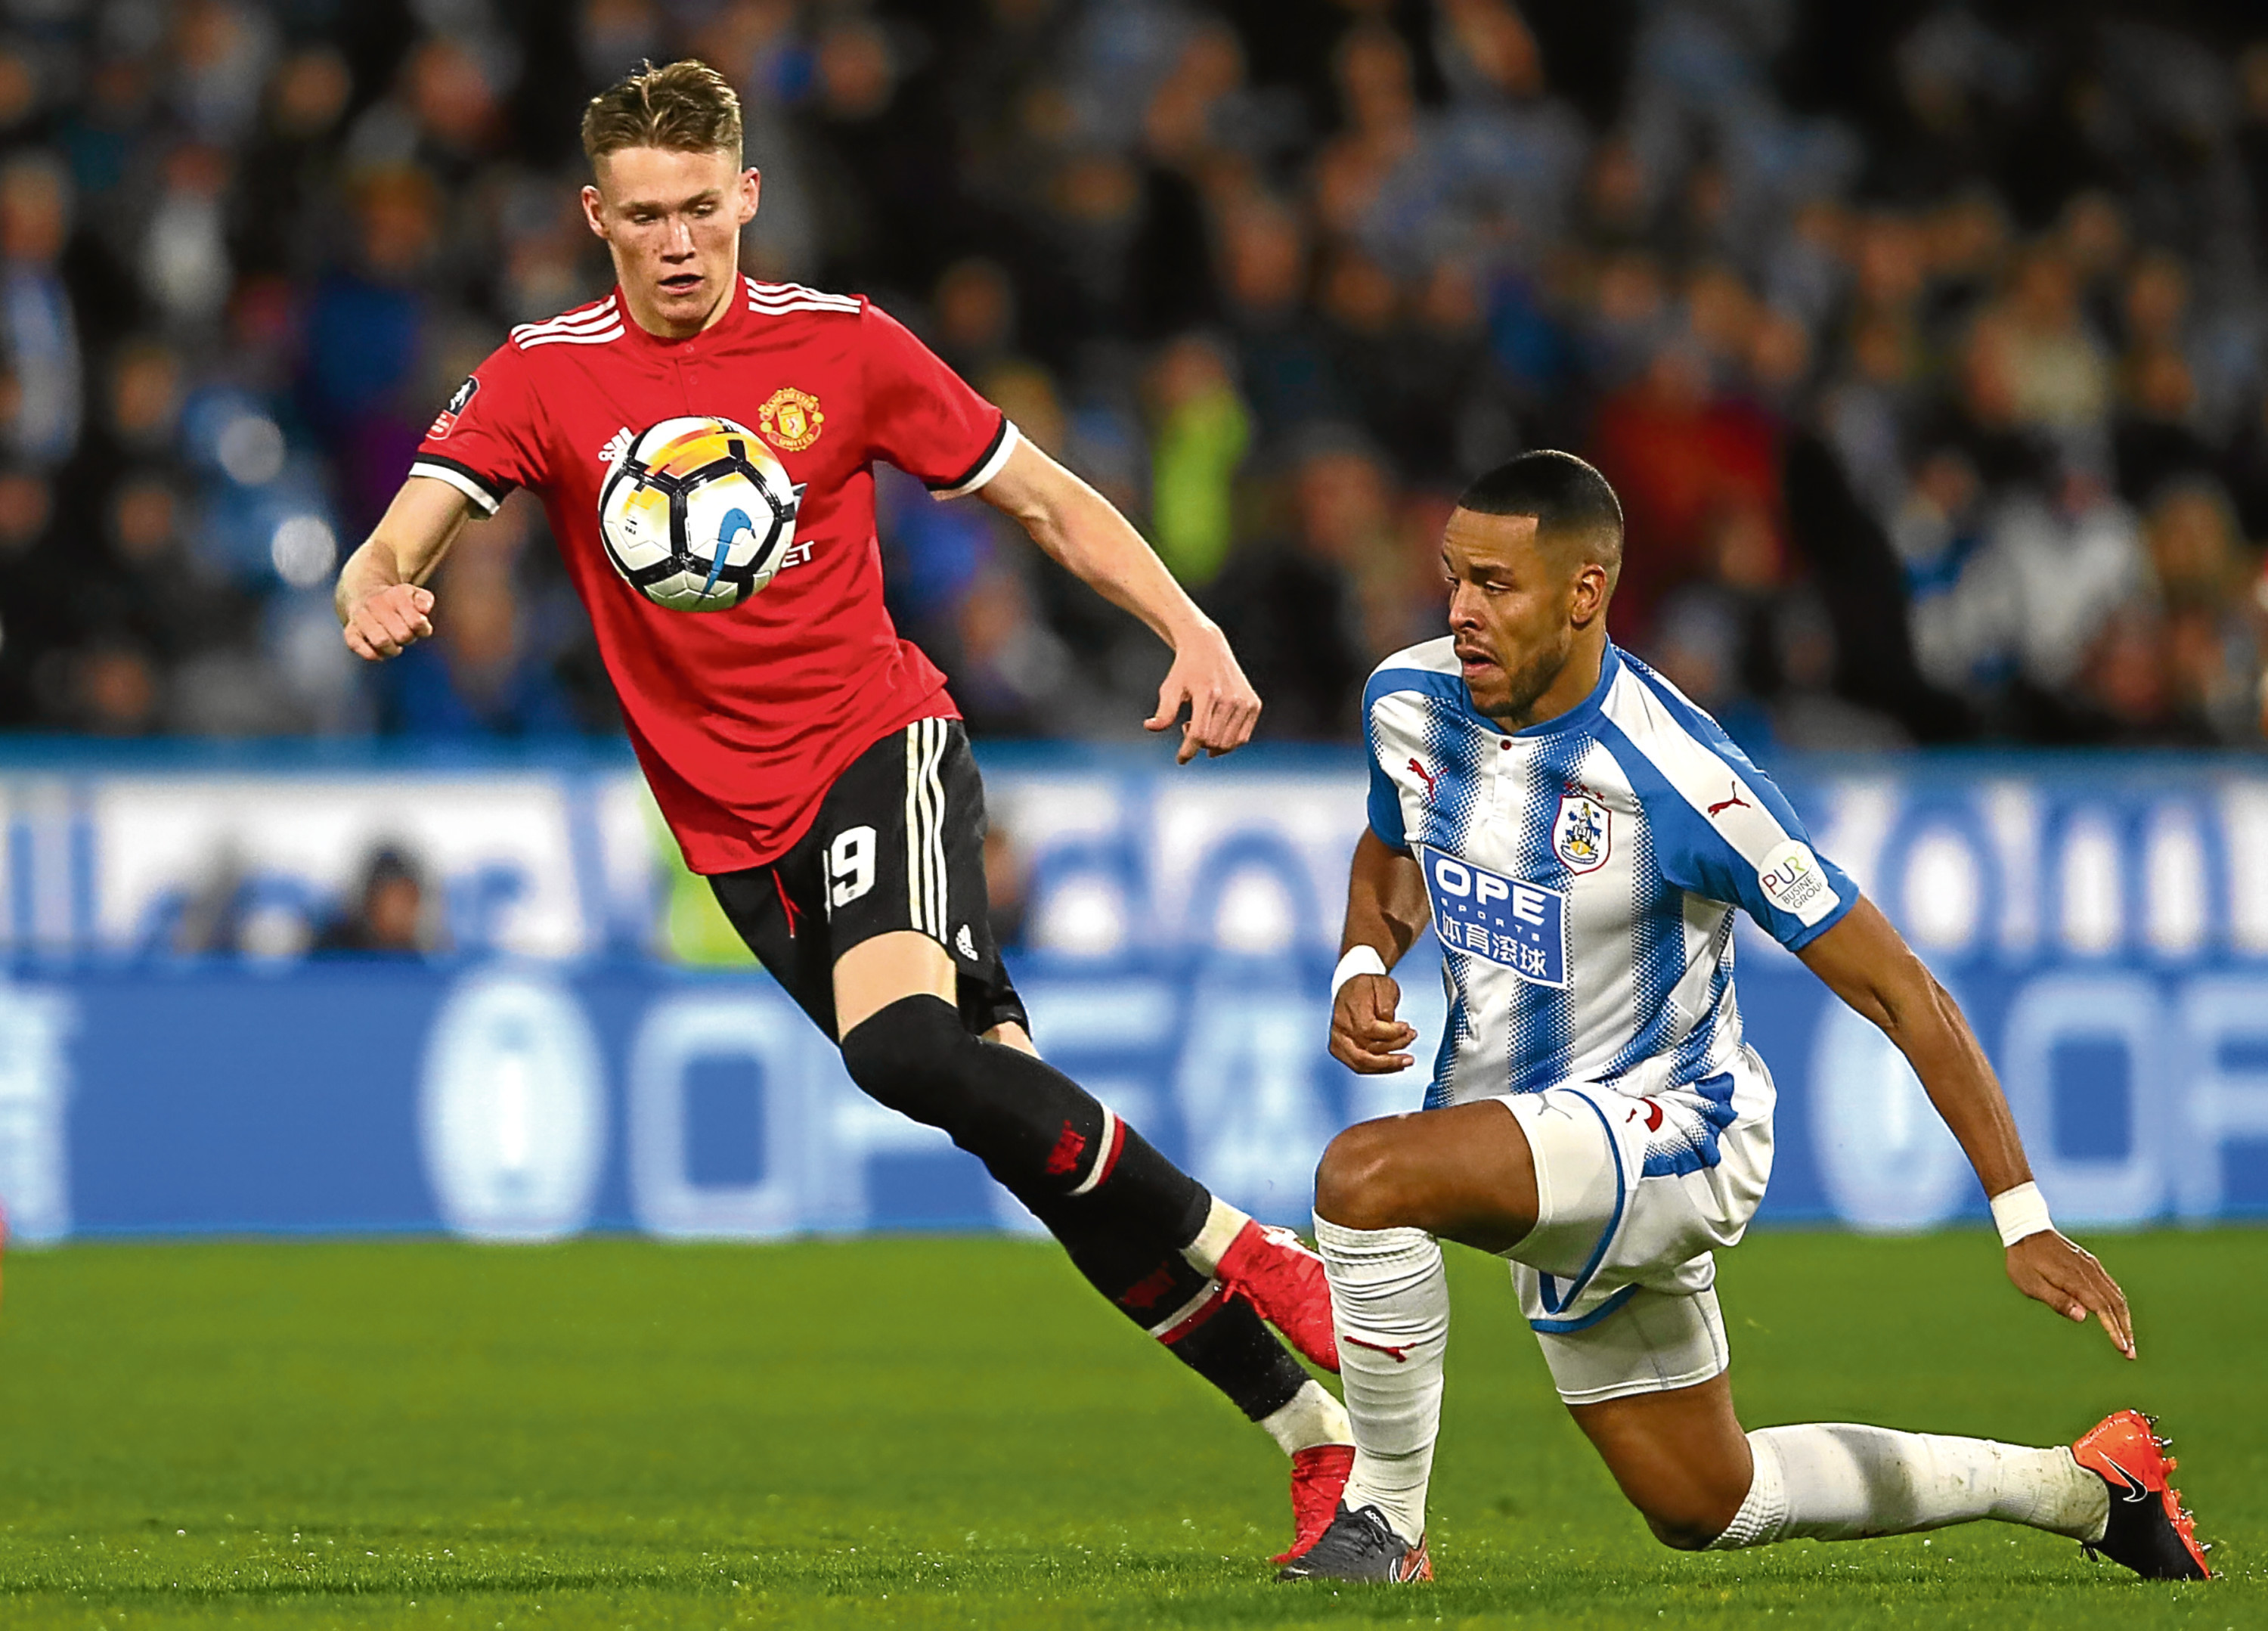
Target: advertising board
2104 922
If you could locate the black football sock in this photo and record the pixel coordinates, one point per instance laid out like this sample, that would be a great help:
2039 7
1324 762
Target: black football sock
1121 1209
1038 1132
1231 1348
1214 1334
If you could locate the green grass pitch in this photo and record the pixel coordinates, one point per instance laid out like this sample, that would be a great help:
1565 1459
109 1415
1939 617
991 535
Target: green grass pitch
943 1432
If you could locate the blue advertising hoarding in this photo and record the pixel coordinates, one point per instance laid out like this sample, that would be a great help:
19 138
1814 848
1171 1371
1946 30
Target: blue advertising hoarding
2104 922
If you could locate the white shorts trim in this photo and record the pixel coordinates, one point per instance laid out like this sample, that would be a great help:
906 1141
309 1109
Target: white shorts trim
1582 1194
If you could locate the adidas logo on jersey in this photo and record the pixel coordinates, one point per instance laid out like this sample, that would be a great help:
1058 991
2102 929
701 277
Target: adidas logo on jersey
617 445
965 943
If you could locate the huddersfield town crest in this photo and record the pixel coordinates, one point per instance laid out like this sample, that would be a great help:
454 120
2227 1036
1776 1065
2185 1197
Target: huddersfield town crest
1582 834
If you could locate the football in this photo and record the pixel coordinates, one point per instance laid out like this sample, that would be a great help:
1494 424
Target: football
697 513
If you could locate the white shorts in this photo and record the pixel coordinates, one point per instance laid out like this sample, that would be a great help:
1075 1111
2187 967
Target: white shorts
1618 1278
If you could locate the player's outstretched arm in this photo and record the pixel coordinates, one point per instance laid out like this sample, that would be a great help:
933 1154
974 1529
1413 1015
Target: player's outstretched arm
382 603
1386 908
1082 530
1866 962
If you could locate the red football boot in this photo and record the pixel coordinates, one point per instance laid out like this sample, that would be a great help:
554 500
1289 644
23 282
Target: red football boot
1319 1473
2148 1532
1270 1269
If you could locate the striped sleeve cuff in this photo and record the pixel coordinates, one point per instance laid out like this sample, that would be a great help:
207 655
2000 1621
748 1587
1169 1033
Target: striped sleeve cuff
477 488
994 459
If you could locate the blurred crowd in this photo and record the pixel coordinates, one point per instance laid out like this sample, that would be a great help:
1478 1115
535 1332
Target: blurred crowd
1927 344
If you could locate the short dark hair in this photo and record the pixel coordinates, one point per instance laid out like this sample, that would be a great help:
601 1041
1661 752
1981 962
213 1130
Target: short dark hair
686 106
1568 497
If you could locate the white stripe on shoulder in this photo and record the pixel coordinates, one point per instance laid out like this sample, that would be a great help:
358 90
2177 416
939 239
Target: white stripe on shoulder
537 331
1703 778
592 313
793 306
764 296
601 337
581 325
594 326
588 317
781 309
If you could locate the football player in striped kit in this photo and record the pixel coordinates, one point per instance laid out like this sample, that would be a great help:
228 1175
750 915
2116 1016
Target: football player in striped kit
1579 835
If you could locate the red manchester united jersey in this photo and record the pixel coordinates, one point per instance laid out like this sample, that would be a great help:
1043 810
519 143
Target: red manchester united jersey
741 718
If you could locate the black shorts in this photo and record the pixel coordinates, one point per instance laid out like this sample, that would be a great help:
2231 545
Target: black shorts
899 844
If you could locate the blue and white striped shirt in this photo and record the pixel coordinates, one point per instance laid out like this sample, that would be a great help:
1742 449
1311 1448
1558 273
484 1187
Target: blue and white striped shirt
1582 874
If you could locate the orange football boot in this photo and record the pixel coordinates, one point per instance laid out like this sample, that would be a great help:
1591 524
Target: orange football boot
2148 1531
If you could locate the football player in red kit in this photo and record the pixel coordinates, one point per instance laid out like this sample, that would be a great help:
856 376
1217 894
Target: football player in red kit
808 760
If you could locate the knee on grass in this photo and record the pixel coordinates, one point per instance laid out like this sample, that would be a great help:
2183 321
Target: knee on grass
1691 1518
1684 1534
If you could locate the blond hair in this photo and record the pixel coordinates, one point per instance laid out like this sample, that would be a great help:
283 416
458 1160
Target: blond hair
687 106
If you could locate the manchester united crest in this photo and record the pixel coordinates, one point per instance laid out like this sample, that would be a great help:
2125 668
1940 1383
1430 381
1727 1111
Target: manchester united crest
1582 834
791 421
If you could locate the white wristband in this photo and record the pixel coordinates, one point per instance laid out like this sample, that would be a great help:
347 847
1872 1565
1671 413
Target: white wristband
2019 1212
1359 960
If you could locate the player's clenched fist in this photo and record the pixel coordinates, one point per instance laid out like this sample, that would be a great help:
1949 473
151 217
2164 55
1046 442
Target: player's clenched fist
386 620
1364 1031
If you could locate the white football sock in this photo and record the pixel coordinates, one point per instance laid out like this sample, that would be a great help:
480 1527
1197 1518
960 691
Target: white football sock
1222 1225
1841 1481
1390 1300
1312 1417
